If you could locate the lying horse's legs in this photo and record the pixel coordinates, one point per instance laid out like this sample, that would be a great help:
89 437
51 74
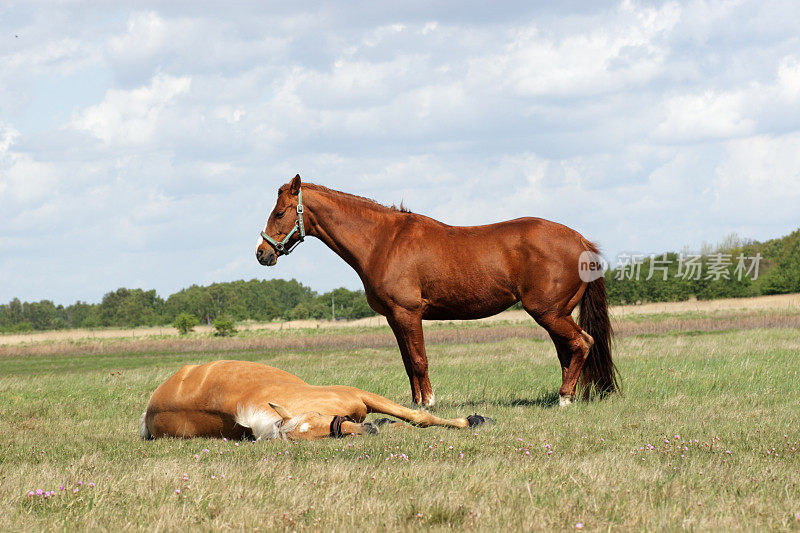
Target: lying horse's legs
572 345
378 404
407 328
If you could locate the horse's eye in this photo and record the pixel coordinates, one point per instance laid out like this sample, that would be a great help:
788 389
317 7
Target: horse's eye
279 215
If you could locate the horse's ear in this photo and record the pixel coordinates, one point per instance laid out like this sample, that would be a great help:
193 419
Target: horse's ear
294 186
282 412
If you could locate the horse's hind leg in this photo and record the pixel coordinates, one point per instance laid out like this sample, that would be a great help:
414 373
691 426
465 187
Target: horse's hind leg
572 345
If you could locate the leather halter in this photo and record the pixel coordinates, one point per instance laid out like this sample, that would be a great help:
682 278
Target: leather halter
280 247
336 425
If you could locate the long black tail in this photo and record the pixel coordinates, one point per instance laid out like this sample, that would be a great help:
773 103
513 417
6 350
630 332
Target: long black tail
599 375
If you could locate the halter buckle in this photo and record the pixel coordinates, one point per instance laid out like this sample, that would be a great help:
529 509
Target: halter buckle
299 209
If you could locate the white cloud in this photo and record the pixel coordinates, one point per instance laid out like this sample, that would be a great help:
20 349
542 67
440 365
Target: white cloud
628 51
736 113
645 126
705 116
22 178
132 116
789 79
146 35
758 178
7 136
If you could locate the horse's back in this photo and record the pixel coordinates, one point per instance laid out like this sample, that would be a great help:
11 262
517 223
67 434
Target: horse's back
465 272
225 377
498 244
524 231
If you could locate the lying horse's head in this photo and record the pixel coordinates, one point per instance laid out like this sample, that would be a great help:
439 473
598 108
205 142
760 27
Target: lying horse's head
284 228
305 426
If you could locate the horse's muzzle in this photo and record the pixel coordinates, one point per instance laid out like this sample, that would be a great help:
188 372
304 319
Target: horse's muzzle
266 258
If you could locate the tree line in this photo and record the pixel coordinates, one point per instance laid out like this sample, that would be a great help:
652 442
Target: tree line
260 300
733 268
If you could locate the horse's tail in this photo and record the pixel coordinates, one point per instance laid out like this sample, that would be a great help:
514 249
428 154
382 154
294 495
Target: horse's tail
144 431
599 375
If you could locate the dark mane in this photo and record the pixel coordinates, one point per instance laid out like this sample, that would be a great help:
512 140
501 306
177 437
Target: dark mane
369 201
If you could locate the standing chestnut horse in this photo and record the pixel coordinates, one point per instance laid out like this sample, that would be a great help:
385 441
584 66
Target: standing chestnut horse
415 268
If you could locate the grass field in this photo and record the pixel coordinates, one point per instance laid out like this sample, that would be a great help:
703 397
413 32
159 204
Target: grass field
706 435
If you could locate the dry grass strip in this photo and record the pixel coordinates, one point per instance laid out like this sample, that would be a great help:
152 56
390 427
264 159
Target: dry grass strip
382 338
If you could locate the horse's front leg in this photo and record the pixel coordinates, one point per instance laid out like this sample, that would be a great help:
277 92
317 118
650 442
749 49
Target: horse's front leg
407 328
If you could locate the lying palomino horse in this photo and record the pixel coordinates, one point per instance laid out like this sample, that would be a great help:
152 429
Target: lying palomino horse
239 399
415 268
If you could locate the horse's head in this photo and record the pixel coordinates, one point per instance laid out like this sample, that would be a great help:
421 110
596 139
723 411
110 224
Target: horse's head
284 228
312 425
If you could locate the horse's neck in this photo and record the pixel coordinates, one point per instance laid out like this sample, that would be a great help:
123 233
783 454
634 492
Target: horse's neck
352 233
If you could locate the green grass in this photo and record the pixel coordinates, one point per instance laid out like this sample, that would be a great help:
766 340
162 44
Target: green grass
614 464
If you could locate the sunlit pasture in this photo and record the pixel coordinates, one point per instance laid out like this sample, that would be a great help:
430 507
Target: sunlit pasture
705 436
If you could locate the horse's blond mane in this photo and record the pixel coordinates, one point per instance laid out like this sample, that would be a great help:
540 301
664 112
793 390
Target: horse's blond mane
264 424
364 201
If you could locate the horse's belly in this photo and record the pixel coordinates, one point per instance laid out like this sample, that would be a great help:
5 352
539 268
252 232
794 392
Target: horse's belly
462 313
466 303
190 424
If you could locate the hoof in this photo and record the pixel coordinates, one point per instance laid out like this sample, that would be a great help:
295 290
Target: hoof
370 429
425 404
477 420
564 401
381 421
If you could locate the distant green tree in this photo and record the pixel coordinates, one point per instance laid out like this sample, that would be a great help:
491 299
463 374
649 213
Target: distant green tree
41 315
225 326
10 314
131 307
347 304
185 322
76 314
784 276
300 312
91 321
361 307
19 327
782 273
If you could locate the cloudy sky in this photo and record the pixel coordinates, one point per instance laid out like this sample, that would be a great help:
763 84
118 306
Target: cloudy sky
142 146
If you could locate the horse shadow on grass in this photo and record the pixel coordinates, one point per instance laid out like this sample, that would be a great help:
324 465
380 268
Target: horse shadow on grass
545 400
